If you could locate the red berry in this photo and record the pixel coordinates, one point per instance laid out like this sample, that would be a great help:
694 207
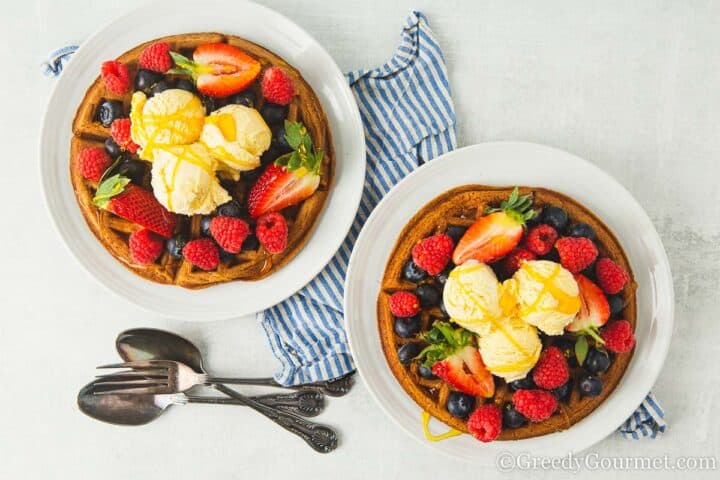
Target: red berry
552 370
610 276
576 253
145 246
156 57
432 254
116 77
272 232
93 162
203 253
229 232
277 86
540 239
618 336
120 132
511 263
485 423
404 304
536 405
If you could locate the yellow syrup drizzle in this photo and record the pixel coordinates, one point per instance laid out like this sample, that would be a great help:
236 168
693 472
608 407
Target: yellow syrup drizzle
436 438
161 124
568 304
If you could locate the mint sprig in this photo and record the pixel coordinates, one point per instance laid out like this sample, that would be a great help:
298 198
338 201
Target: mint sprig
304 154
444 341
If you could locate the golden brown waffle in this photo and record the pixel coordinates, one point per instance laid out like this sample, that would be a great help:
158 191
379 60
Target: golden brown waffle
462 206
114 231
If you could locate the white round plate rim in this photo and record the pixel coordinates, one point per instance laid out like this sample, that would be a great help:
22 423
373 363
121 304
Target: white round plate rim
511 163
265 27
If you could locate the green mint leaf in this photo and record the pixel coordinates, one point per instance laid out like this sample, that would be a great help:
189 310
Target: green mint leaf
581 349
293 134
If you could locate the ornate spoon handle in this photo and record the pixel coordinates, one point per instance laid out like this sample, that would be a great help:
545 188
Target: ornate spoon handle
321 438
333 388
303 403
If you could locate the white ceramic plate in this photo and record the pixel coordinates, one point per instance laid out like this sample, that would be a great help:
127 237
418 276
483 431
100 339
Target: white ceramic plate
507 164
258 24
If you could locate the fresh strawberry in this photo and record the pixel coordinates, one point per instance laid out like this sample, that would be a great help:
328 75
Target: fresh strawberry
454 358
610 276
277 86
594 309
291 179
433 253
145 246
229 232
272 232
136 204
218 69
485 423
496 233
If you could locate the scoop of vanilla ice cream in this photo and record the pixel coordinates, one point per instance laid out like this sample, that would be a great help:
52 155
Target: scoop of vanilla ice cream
511 349
184 181
236 136
171 117
547 294
471 296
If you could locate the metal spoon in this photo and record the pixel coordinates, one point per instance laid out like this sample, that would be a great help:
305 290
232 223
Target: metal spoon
154 344
129 409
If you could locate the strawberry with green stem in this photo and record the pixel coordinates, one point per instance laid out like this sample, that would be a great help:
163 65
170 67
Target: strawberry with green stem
452 356
594 313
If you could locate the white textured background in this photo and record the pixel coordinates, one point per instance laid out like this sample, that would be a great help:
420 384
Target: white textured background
631 86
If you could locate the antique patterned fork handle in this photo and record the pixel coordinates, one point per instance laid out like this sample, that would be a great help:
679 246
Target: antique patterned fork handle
333 388
305 403
321 438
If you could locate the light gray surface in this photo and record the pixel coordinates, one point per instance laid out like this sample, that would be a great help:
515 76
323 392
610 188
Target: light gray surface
631 86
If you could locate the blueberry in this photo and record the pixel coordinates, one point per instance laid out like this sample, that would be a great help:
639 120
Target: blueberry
522 384
590 386
512 418
205 225
185 84
616 303
412 272
428 294
160 86
108 111
460 405
443 309
145 79
535 220
552 256
133 169
230 209
554 216
251 242
407 327
563 391
210 104
270 155
225 256
442 277
581 229
112 148
597 361
278 139
406 353
567 347
426 372
456 232
246 97
273 114
175 244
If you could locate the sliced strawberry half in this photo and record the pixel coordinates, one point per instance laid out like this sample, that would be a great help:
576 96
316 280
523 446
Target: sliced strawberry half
136 204
594 309
218 69
291 179
454 359
497 232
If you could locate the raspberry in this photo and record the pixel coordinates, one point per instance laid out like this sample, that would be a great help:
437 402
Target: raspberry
277 86
272 232
229 232
511 263
156 57
536 405
618 336
610 276
540 239
404 304
203 253
116 77
433 253
120 132
552 369
93 162
145 246
576 253
485 423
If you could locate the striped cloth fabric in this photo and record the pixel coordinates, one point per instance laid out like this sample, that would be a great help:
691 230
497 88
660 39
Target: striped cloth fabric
408 118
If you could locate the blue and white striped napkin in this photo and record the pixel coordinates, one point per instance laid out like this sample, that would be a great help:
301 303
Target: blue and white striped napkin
408 118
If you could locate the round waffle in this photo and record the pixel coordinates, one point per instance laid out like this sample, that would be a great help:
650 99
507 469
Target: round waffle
113 231
462 206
